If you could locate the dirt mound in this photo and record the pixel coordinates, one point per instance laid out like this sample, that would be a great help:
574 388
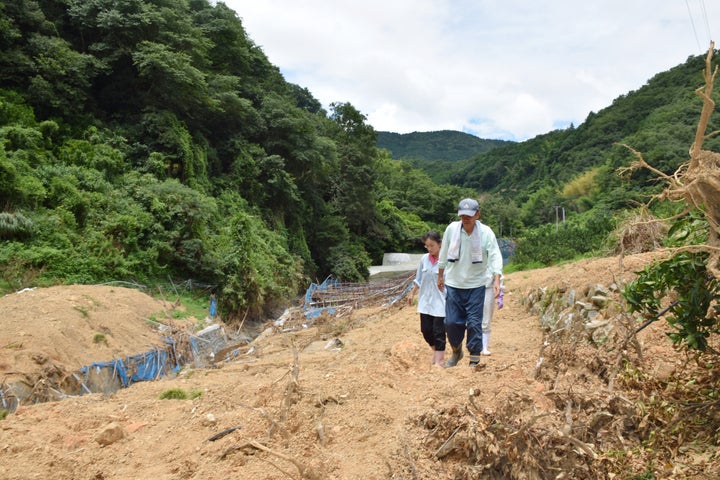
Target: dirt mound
75 325
48 334
353 397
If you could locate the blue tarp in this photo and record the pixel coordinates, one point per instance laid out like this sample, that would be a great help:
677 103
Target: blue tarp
213 306
149 365
312 311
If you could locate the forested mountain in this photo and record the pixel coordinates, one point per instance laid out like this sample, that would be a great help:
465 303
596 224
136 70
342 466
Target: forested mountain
447 145
432 151
152 140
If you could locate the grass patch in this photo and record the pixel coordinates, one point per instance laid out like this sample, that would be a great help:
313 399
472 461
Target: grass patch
83 311
100 338
187 307
179 394
195 304
153 320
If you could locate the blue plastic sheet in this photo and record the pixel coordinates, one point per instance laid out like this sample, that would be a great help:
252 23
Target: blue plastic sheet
312 311
213 306
149 365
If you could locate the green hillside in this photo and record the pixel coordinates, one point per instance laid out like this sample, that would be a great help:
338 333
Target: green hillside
659 118
446 145
431 152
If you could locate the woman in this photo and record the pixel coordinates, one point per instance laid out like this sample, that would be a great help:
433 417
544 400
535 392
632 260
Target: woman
431 301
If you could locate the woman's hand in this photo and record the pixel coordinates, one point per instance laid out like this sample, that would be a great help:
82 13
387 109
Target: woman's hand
411 295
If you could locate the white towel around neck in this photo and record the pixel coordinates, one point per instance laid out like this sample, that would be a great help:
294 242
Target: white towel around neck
476 242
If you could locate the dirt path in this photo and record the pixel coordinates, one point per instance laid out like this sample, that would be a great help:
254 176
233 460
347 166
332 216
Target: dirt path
368 408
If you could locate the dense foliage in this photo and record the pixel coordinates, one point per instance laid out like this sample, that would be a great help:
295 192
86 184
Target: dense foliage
682 288
147 140
693 316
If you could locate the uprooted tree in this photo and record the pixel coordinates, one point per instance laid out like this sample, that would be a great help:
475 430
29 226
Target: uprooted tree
684 287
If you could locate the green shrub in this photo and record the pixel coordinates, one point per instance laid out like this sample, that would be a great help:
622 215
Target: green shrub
179 394
552 243
692 315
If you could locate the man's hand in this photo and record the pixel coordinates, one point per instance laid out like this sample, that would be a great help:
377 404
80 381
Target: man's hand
496 286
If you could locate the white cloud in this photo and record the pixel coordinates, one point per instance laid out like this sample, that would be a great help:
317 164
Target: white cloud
507 69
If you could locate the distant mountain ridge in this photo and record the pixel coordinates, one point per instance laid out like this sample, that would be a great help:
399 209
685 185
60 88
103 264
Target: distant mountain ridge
446 145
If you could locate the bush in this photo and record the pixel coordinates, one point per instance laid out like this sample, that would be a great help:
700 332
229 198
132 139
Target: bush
693 313
549 244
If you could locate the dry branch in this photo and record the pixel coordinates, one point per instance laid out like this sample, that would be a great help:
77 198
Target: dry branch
410 459
448 445
306 471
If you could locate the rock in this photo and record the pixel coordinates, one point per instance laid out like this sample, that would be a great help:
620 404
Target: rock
569 297
110 434
209 420
268 332
590 326
600 300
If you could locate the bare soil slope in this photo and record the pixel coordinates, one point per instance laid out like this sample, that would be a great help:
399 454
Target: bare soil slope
74 326
353 397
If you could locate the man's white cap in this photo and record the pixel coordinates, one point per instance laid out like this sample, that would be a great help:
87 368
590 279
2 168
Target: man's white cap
468 207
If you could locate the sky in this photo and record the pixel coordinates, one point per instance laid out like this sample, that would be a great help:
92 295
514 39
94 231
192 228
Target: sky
497 69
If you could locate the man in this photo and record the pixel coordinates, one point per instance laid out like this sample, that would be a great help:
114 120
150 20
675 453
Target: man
469 260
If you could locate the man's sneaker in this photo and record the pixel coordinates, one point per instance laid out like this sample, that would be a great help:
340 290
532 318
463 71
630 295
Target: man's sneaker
486 352
474 359
457 355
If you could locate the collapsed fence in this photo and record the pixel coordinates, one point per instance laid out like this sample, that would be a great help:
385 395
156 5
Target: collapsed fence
332 295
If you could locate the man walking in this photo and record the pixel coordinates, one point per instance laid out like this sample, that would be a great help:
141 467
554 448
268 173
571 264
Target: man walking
469 259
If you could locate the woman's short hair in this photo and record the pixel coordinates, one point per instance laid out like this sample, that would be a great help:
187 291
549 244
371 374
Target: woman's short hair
432 235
